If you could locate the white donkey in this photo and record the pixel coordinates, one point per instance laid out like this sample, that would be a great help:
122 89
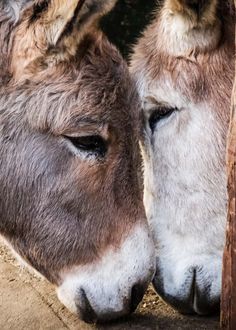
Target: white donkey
184 68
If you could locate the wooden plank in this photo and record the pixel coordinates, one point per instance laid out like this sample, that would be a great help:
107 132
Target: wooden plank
228 299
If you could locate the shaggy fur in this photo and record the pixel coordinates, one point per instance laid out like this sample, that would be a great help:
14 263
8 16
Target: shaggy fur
62 207
185 62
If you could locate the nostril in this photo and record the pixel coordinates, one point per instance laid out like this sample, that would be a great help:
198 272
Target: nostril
192 292
203 303
85 309
137 294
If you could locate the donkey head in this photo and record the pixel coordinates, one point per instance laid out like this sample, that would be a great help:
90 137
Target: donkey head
71 203
185 80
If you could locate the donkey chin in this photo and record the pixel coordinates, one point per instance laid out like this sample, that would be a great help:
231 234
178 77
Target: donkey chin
110 288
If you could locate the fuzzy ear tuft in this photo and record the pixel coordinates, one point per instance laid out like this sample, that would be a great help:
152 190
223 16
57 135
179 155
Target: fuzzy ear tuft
54 16
48 24
190 26
195 9
197 6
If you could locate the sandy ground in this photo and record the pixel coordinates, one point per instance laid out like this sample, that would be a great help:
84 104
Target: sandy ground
30 303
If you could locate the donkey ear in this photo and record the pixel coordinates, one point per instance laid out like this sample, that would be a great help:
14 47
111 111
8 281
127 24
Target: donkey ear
46 24
51 17
200 9
59 16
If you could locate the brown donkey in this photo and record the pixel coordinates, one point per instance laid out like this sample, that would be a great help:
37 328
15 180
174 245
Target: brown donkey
184 67
71 205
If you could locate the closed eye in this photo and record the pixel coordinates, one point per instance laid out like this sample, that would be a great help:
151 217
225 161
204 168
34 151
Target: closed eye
160 114
92 145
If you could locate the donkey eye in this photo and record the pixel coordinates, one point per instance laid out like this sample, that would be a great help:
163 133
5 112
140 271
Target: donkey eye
93 145
158 115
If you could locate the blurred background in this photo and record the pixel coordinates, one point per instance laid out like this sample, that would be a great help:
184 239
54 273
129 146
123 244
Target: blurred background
127 21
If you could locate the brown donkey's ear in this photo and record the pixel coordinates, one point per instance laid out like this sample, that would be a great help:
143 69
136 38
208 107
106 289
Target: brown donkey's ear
48 24
56 17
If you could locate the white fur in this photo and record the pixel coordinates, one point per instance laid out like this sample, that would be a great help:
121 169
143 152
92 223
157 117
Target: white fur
184 37
185 190
108 282
185 193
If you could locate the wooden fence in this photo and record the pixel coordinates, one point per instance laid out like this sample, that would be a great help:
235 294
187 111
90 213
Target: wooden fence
228 300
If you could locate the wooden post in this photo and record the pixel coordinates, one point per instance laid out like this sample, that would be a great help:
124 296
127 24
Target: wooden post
228 299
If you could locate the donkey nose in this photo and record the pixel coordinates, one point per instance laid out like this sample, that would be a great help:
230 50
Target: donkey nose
88 314
112 286
195 295
85 310
200 299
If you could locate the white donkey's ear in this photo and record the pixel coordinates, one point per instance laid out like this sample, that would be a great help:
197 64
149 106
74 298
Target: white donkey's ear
46 24
194 9
194 5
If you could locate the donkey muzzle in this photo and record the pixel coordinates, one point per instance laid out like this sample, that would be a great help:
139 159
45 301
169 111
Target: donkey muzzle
113 286
194 296
87 313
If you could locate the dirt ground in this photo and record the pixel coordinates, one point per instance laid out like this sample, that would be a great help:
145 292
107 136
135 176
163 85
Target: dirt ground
30 303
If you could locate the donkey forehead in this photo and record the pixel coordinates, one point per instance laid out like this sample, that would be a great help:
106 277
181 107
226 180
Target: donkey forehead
175 91
71 70
91 102
182 81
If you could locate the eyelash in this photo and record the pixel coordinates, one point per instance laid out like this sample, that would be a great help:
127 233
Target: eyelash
159 114
92 145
